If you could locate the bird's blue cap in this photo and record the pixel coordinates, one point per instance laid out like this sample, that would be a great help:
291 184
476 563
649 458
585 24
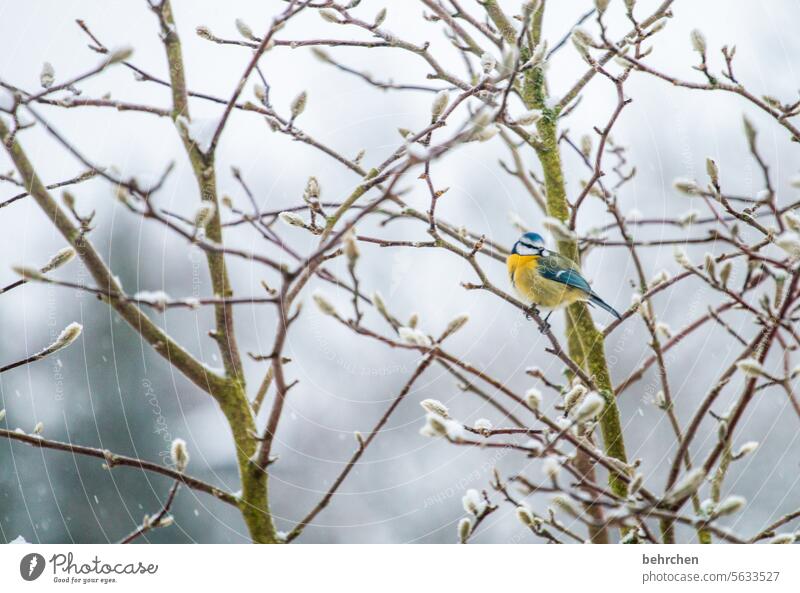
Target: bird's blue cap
529 241
533 238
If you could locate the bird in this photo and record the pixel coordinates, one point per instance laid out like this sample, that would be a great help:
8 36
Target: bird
547 279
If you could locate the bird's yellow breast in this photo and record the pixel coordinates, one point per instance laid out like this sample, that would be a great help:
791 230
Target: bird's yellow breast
516 262
533 288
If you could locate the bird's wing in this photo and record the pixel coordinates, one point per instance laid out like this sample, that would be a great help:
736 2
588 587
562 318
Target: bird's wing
558 268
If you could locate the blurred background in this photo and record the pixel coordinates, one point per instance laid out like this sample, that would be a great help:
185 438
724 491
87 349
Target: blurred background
111 390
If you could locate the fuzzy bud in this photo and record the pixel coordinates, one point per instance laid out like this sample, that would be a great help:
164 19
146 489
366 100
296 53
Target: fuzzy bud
710 264
529 117
380 304
351 250
204 32
473 503
729 506
464 529
482 425
713 171
686 186
203 215
299 104
792 221
533 399
551 467
525 515
165 521
68 335
574 395
750 367
323 304
439 104
47 76
750 131
120 54
565 504
179 454
292 219
245 30
589 408
484 134
725 273
790 243
698 41
28 273
260 91
746 449
434 406
488 62
329 15
61 257
414 336
456 324
661 400
679 253
635 484
379 18
690 483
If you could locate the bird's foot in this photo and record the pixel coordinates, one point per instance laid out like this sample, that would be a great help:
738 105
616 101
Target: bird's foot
529 312
545 325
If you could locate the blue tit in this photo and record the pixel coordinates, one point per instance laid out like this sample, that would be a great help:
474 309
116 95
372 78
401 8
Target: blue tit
548 279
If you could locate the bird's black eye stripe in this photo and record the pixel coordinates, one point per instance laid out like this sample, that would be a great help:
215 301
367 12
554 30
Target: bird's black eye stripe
528 245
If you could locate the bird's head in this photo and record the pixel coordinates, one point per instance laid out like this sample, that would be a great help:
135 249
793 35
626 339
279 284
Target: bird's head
529 244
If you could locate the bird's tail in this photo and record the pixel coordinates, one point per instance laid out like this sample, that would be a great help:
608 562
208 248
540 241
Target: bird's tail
596 300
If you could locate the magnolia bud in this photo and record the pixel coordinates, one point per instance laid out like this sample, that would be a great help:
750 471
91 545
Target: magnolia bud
379 18
533 399
61 257
590 407
245 30
323 304
746 449
329 15
179 454
47 76
488 62
456 324
698 41
750 367
434 406
439 104
292 219
120 55
690 483
351 246
729 506
473 503
204 213
525 515
299 104
464 529
551 467
713 171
